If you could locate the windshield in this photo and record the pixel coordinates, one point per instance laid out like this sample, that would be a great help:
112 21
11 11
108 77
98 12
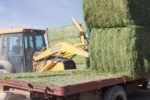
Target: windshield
34 42
12 44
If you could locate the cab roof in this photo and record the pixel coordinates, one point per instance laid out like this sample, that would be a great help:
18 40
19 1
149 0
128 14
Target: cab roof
11 31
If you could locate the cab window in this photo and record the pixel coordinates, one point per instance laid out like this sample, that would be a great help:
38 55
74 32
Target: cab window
12 44
39 42
34 42
15 45
4 45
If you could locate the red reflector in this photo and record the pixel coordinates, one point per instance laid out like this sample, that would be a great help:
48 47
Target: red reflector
55 90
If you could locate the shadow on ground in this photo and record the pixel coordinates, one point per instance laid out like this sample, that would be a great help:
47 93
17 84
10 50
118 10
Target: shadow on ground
140 95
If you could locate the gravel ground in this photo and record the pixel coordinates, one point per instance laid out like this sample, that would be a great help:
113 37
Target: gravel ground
140 95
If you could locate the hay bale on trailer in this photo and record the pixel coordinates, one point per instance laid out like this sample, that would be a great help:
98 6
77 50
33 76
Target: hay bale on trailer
120 50
116 13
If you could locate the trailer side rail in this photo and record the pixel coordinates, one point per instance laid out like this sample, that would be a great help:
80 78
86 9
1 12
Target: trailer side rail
69 89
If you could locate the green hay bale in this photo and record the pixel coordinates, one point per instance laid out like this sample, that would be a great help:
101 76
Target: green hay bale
69 34
120 50
116 13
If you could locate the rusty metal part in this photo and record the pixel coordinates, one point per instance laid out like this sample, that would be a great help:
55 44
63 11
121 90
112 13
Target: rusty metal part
69 89
131 87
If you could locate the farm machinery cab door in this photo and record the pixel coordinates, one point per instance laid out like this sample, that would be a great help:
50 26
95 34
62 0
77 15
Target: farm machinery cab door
33 42
12 51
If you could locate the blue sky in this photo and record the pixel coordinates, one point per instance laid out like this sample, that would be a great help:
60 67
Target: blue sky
39 14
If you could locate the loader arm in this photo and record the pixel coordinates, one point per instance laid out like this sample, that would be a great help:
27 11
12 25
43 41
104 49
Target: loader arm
83 34
63 49
60 49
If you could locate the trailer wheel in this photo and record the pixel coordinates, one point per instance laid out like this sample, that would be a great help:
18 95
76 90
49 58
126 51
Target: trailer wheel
115 93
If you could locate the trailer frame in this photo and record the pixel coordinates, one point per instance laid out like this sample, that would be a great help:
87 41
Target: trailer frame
59 92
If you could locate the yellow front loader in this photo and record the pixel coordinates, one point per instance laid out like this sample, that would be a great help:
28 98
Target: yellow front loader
59 55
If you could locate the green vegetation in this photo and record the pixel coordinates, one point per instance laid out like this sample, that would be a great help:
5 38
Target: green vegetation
59 78
65 33
69 34
120 50
117 47
116 13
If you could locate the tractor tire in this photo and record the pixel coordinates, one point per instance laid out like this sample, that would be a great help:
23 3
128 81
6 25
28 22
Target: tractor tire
3 96
115 93
6 67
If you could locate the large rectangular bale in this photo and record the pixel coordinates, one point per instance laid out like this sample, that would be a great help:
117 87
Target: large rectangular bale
68 34
120 50
116 13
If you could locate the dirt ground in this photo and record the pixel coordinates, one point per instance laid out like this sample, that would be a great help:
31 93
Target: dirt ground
140 95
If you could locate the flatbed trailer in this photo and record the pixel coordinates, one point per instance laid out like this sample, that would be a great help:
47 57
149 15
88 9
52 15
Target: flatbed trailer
99 89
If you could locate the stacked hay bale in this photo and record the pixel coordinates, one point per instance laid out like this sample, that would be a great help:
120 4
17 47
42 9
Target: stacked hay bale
68 34
120 35
116 13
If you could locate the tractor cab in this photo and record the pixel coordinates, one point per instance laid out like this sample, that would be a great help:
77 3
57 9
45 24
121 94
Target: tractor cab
17 47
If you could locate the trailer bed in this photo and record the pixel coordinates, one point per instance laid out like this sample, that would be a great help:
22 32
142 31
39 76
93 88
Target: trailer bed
60 78
63 83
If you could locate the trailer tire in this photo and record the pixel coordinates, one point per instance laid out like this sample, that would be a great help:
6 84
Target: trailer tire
115 93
